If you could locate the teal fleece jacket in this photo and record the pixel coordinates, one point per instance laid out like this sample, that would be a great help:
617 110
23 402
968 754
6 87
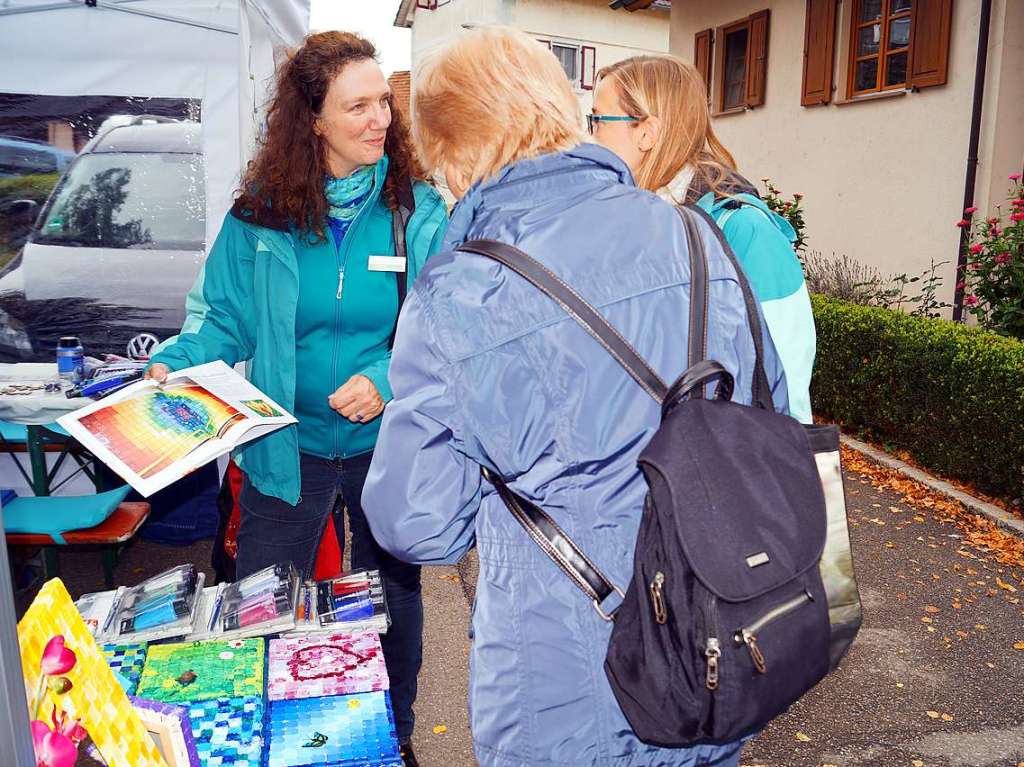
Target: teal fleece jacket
244 306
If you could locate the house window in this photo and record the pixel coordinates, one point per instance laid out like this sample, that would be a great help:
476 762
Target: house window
734 73
568 57
740 54
880 45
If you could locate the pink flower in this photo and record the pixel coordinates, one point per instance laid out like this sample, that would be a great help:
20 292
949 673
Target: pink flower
963 222
995 231
1003 258
1014 177
1018 203
971 301
52 749
976 249
970 210
1017 216
974 266
798 196
992 220
70 728
961 285
57 659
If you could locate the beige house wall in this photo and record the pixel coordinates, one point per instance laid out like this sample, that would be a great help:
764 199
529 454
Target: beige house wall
615 35
883 178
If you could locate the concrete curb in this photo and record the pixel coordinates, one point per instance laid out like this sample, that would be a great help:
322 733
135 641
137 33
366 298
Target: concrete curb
1003 519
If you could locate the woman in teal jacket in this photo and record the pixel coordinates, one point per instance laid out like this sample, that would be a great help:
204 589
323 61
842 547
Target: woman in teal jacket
304 283
652 111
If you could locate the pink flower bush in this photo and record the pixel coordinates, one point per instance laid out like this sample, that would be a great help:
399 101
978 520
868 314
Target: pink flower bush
993 277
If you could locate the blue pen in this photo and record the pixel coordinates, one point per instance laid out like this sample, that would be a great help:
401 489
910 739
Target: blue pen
104 385
216 609
166 614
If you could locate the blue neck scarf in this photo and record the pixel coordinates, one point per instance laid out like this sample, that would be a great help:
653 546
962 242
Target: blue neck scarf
345 195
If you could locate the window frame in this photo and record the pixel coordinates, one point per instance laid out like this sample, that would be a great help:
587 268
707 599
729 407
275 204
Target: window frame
721 33
577 49
884 53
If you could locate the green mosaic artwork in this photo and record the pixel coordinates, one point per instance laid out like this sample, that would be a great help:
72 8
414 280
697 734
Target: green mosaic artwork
198 671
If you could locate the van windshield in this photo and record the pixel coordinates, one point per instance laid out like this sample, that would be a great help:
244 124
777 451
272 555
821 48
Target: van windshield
129 200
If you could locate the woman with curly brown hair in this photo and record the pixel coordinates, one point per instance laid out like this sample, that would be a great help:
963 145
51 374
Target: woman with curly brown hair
305 282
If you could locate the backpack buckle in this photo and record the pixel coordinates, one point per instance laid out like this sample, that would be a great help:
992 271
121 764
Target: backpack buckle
610 615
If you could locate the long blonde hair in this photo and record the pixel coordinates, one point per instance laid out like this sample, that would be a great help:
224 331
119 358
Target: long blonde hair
672 90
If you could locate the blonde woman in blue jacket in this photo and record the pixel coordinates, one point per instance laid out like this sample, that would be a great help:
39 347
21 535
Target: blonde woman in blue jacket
652 112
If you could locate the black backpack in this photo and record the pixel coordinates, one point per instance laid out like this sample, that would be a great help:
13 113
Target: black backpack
743 595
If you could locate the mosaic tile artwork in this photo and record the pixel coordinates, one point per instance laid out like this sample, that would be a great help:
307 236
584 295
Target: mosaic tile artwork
317 666
127 661
187 672
228 732
95 698
170 728
341 731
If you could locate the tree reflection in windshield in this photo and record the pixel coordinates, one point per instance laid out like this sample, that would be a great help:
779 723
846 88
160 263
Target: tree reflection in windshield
91 208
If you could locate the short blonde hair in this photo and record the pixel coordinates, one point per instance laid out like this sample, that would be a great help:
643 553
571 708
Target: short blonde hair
489 98
672 90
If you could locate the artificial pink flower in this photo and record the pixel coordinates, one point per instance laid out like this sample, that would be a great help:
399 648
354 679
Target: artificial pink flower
70 728
1017 216
971 301
52 749
970 210
57 659
963 222
1003 258
975 249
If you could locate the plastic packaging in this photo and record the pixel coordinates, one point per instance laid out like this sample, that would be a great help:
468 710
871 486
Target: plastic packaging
161 607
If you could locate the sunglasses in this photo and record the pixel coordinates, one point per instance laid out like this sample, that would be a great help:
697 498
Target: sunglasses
594 120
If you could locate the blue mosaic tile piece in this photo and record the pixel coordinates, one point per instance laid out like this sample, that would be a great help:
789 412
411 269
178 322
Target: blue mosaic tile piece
228 731
340 731
127 661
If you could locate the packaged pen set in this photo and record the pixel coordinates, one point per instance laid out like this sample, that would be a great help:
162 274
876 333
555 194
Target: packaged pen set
161 607
260 604
353 602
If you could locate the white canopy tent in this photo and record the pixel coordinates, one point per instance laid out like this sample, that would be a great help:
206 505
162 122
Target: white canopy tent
218 51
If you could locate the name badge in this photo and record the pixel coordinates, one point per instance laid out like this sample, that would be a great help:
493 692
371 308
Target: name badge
387 264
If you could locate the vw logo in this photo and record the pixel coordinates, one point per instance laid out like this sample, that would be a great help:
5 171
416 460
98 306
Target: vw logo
142 346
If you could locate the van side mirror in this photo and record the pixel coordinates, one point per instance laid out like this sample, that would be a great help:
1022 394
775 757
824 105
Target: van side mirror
22 210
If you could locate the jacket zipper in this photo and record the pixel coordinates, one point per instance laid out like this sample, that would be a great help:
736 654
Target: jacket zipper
658 598
339 262
713 648
748 635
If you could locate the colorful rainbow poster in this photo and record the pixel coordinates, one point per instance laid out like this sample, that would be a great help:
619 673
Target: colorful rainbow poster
152 431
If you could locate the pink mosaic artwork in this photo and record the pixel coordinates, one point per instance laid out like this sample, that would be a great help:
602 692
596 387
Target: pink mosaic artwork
321 665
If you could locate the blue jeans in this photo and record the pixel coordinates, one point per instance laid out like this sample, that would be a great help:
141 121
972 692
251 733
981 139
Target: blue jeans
273 531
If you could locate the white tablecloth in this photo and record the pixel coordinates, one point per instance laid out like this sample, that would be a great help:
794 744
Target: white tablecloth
38 407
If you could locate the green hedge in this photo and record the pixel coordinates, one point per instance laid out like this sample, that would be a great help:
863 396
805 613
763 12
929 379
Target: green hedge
950 395
35 187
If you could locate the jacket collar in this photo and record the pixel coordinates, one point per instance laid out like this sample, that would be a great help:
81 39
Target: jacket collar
531 181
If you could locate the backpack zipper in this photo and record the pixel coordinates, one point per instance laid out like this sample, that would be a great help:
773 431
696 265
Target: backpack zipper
658 598
713 648
748 635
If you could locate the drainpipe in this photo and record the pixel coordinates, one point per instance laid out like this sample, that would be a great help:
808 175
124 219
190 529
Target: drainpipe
972 152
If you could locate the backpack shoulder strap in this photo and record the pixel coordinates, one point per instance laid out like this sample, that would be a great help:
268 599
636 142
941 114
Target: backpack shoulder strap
399 224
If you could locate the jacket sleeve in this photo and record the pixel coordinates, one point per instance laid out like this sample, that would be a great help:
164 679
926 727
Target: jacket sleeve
422 493
219 307
424 240
777 279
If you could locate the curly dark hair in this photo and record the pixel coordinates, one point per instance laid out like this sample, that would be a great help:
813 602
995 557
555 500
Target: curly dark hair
286 177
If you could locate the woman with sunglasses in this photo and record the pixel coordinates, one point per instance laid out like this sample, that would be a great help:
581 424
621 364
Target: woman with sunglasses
652 112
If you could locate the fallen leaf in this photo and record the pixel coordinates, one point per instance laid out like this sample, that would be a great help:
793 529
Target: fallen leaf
933 714
931 609
962 634
1019 646
925 619
440 729
900 685
980 626
1006 586
947 717
917 763
803 738
990 665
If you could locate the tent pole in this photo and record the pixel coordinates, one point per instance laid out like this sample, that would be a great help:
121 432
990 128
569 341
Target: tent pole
116 5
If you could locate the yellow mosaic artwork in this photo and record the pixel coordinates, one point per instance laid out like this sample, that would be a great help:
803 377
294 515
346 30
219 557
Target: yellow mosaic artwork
96 698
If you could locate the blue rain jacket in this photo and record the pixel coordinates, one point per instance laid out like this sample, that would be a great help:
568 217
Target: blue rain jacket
488 371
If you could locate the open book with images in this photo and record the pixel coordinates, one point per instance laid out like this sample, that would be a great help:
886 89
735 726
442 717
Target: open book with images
153 434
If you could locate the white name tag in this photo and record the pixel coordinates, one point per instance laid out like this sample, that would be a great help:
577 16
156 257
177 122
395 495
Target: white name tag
387 264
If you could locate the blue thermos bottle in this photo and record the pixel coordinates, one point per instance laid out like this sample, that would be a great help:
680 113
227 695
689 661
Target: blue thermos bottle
70 358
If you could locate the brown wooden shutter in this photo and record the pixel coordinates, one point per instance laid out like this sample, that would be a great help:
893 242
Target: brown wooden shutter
819 44
930 23
757 58
702 56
